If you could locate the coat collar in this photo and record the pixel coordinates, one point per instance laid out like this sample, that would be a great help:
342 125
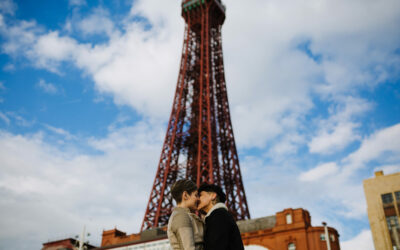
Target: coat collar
216 206
181 209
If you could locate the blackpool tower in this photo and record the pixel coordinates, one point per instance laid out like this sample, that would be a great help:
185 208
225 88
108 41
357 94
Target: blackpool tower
199 144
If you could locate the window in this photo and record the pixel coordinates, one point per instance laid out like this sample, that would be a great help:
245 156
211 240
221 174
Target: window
392 221
397 194
387 198
291 246
289 219
332 238
322 237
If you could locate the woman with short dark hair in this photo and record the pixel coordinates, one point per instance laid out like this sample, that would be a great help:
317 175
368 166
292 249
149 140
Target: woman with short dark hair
222 232
185 229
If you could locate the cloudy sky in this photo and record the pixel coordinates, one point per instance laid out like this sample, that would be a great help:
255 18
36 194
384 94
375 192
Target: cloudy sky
86 89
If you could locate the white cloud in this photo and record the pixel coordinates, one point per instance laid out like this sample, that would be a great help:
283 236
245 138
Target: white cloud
383 145
119 121
50 50
262 92
90 25
339 130
20 120
332 200
138 68
2 86
67 135
47 87
8 7
288 144
52 46
159 15
388 169
77 2
264 59
19 38
143 134
339 181
330 142
269 48
319 172
9 67
70 187
4 118
1 21
349 107
363 241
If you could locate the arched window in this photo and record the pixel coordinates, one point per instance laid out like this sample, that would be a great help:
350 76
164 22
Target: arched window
289 219
291 246
255 247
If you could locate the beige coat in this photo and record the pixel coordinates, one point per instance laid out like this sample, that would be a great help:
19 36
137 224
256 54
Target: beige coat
185 230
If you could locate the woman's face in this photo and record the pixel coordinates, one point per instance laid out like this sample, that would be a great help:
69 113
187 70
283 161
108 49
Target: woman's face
193 200
205 201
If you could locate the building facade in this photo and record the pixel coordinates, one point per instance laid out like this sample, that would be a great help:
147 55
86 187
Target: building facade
152 239
383 205
65 244
289 229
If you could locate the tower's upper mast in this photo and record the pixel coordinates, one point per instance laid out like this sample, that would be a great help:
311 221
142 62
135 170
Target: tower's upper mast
188 5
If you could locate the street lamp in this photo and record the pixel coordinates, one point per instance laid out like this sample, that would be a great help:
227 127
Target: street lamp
80 244
328 242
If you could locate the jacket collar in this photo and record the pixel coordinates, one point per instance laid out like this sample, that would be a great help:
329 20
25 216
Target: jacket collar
181 209
216 206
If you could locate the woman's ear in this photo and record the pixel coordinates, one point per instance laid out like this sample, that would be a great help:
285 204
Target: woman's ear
185 195
213 196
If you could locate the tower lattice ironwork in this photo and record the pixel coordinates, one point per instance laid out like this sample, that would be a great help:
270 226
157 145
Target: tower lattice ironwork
199 144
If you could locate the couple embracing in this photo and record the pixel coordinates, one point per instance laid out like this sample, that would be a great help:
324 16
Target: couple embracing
216 231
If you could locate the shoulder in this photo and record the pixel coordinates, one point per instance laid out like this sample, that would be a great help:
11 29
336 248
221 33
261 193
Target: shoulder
220 214
180 216
180 219
220 211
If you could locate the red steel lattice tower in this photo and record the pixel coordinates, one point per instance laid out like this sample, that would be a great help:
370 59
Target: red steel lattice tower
199 144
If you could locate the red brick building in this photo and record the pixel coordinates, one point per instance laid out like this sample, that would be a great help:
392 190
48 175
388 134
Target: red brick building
114 238
289 229
66 244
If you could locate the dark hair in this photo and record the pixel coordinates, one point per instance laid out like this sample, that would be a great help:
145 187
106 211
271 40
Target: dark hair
181 186
221 197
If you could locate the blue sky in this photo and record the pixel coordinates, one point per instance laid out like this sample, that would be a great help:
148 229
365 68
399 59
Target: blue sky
86 89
